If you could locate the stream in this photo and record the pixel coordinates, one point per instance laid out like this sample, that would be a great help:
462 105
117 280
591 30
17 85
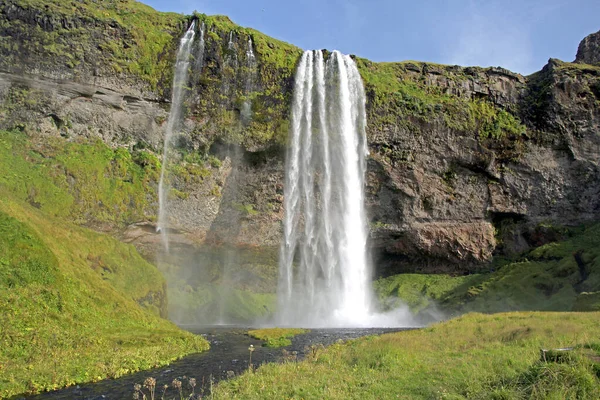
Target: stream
228 356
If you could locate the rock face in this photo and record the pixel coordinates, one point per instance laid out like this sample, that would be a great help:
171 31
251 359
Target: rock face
464 163
589 49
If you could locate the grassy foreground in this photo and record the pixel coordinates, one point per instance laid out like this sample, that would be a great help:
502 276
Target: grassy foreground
77 306
475 356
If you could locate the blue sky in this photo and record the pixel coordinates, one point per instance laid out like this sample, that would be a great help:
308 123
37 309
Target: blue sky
516 34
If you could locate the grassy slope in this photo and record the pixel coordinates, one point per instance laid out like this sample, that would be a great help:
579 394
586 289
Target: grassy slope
64 290
475 356
546 279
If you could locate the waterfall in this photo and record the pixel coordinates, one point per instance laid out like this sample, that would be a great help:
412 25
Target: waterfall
250 52
201 48
325 228
173 125
246 111
230 45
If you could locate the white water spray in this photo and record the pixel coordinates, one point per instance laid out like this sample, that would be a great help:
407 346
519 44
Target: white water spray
173 125
324 278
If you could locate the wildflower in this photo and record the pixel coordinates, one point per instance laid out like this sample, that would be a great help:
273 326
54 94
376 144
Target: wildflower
176 384
192 382
150 383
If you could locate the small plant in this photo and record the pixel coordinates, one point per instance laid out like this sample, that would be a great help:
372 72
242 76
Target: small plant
314 351
246 209
177 384
251 350
289 356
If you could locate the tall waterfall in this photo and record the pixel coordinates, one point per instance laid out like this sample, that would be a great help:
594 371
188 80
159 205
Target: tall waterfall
173 124
324 276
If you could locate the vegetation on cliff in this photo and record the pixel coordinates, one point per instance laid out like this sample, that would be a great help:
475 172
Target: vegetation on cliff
90 38
558 276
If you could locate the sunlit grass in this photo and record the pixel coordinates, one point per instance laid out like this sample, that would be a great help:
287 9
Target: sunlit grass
70 301
473 357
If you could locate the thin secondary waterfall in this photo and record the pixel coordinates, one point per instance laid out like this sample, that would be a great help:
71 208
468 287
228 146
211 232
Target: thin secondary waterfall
324 274
173 124
230 43
201 48
249 81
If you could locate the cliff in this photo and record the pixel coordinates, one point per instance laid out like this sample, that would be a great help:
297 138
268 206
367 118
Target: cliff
465 162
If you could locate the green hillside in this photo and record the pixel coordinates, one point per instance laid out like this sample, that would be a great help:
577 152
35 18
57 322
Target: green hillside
76 305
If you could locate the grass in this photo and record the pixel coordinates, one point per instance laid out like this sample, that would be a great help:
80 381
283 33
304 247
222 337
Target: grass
473 357
276 337
64 290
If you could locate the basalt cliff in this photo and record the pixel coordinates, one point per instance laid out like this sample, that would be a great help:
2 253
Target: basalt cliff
465 162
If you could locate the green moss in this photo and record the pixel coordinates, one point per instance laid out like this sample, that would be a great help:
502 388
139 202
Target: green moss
63 289
493 123
84 180
400 97
25 259
245 209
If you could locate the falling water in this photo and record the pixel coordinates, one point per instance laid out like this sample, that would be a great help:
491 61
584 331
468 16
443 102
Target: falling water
325 227
173 124
201 48
230 44
246 111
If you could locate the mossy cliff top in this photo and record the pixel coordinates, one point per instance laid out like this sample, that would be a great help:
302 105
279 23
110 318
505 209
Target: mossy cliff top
129 46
